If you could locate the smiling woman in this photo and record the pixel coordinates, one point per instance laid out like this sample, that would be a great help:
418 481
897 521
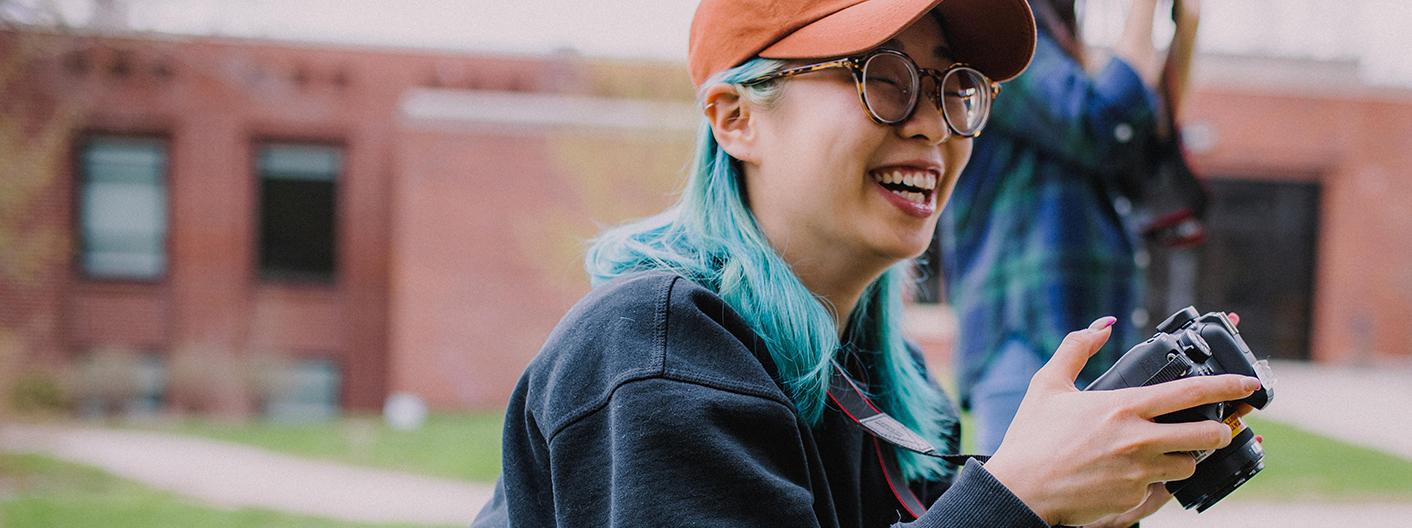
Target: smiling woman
741 359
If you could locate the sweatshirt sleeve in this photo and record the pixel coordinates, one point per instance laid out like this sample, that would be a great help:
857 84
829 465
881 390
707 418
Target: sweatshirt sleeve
977 500
673 453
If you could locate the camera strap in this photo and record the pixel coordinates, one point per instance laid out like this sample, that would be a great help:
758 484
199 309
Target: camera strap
844 393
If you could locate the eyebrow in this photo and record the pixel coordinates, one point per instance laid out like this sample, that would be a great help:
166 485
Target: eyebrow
941 51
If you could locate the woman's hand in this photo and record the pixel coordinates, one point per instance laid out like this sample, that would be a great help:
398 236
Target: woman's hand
1157 496
1135 43
1186 11
1076 457
1181 53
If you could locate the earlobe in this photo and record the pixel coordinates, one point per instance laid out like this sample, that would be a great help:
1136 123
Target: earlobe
732 121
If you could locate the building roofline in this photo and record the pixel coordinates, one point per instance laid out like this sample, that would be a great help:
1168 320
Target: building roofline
1290 77
323 45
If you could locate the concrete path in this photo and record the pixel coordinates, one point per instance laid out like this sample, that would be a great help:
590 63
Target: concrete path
235 476
1364 406
1282 515
1367 406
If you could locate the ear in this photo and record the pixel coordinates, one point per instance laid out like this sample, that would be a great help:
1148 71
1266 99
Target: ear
732 121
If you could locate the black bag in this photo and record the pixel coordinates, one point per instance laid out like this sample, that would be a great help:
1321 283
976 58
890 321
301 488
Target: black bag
1170 203
1169 200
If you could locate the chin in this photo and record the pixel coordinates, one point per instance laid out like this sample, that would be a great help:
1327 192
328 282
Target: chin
904 250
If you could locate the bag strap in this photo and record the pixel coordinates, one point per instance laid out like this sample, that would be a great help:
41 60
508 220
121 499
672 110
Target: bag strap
893 473
844 393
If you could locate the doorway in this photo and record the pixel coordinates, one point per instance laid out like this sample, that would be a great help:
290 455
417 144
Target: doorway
1258 261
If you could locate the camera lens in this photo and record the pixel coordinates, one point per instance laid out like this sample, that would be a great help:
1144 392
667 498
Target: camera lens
1221 473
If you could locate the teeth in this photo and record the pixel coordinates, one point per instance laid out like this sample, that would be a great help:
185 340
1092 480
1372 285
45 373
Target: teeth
920 180
914 197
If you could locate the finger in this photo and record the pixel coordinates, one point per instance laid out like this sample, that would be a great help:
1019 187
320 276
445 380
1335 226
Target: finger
1191 436
1162 398
1234 317
1074 352
1175 466
1157 496
1242 409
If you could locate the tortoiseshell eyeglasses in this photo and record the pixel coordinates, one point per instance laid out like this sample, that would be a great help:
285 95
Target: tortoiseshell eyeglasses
890 85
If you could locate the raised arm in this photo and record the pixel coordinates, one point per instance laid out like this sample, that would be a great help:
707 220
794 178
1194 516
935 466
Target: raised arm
1135 44
1177 72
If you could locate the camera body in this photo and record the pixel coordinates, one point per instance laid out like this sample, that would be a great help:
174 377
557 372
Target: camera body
1188 344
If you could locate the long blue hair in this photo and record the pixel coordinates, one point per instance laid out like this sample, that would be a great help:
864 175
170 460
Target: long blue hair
710 237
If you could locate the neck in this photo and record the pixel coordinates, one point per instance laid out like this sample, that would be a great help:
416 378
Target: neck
839 282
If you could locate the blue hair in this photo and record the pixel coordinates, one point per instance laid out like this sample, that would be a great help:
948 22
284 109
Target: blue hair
710 237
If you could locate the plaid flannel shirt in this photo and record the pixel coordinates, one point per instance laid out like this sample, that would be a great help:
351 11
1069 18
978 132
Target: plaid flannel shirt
1032 244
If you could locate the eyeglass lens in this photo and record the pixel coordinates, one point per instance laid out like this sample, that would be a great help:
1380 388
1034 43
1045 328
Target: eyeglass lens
889 87
965 100
891 82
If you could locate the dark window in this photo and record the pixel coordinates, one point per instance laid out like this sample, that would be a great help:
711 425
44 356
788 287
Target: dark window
1258 261
117 382
123 208
304 390
298 201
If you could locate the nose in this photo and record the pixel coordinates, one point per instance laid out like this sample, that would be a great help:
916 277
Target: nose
926 124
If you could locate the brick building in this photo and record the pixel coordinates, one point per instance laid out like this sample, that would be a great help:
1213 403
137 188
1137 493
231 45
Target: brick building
382 220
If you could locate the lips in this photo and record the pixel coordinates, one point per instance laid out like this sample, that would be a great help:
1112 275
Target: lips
910 184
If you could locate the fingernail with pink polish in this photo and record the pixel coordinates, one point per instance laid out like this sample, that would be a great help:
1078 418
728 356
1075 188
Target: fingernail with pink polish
1250 384
1103 322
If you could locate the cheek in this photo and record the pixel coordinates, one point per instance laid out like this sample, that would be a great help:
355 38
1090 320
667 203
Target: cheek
819 136
955 154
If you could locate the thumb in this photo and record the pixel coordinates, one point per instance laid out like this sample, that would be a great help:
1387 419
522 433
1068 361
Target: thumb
1074 351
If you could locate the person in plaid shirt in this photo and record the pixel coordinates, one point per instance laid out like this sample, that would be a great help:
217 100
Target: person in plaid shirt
1034 243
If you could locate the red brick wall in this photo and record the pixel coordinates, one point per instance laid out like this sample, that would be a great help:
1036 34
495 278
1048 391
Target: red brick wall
460 245
1359 148
488 246
493 217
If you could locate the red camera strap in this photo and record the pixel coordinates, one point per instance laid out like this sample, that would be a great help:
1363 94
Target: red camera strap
850 399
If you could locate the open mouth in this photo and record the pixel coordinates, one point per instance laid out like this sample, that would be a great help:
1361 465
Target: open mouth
913 185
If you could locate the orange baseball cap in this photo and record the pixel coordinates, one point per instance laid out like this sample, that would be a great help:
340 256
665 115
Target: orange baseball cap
996 37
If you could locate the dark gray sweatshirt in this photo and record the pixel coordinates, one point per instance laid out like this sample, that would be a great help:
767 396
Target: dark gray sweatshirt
654 404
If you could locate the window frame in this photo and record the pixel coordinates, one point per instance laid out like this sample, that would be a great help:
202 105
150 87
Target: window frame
79 181
257 146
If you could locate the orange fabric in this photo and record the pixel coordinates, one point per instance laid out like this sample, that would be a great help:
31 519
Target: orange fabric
997 37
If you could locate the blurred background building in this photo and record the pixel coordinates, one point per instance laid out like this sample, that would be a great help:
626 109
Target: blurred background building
243 225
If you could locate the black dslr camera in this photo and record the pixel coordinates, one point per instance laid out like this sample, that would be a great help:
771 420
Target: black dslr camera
1188 344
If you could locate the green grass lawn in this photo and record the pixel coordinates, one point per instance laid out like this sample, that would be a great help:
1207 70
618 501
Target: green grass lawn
460 446
1300 466
39 492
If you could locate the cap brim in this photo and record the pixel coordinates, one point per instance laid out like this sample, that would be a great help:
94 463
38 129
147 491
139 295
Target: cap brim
996 37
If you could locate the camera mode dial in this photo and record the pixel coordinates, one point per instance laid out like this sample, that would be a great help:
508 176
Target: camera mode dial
1195 347
1178 320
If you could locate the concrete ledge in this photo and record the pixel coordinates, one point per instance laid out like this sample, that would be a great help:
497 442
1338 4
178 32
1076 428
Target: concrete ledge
430 106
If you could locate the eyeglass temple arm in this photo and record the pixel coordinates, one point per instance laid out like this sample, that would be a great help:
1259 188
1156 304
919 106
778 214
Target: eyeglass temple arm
847 62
